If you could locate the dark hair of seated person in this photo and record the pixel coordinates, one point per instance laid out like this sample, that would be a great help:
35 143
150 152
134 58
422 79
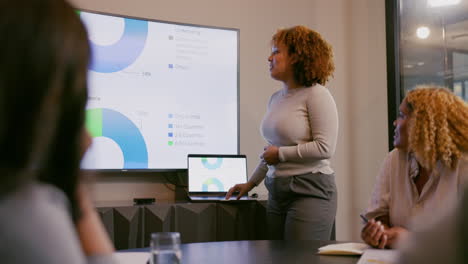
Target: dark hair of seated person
44 55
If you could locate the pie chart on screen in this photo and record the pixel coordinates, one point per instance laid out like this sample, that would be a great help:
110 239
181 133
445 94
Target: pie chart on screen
212 184
115 42
212 163
120 133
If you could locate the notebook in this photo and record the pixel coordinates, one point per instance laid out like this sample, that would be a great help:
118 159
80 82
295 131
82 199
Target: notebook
380 256
211 176
343 249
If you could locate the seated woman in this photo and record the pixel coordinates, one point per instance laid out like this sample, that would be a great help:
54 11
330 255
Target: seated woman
46 214
426 170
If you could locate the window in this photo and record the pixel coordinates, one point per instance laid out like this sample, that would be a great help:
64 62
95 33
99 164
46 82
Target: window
427 43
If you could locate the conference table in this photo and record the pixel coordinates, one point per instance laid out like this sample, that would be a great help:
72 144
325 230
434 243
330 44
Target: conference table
258 252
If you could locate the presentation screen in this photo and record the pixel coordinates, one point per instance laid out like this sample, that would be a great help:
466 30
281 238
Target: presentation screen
159 91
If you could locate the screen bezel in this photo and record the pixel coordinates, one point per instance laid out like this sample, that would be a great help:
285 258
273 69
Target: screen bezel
182 24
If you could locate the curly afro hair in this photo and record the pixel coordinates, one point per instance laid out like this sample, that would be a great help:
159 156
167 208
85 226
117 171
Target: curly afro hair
314 54
439 126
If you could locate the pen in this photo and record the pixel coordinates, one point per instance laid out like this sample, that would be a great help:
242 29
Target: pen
364 218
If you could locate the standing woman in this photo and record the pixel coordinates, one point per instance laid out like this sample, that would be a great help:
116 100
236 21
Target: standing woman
301 128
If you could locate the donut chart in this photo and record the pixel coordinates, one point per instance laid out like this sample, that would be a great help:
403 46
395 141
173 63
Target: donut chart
212 166
212 181
104 122
124 52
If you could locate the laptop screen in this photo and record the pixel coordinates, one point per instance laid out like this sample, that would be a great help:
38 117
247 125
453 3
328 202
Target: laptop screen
215 173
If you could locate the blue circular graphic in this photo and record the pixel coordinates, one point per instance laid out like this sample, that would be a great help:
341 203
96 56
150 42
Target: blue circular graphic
118 127
212 166
213 181
104 122
123 53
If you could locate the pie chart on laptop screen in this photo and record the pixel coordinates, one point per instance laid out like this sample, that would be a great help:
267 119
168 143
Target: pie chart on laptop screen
212 184
212 163
112 129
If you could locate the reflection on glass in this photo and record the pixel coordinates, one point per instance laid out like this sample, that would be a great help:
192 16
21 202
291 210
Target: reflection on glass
434 44
465 90
458 89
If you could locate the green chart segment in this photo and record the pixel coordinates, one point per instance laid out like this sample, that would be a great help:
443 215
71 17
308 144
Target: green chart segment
104 122
94 122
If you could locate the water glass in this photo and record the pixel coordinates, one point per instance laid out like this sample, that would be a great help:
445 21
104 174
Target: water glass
165 248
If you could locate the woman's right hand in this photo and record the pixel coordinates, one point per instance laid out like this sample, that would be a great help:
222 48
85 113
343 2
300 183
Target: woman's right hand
242 188
373 234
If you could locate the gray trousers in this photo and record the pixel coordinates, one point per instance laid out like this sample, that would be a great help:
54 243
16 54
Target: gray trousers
301 207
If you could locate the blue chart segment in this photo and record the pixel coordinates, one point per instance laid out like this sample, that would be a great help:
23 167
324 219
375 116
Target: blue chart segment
116 126
212 166
120 55
212 181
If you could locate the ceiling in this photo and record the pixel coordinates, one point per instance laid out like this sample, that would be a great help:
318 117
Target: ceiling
431 56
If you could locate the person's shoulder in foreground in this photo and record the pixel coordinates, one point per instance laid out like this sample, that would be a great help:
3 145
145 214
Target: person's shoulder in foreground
36 227
443 242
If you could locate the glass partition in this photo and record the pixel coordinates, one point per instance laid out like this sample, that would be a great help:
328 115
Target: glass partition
427 43
434 44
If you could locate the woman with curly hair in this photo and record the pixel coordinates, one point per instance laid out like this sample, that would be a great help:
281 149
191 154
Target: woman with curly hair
426 170
301 128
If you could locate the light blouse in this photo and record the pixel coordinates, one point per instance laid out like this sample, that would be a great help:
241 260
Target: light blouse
395 194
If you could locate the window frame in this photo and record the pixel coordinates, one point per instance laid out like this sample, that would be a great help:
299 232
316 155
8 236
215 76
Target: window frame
394 92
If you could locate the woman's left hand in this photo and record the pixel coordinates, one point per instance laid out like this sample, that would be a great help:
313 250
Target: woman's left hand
271 155
395 234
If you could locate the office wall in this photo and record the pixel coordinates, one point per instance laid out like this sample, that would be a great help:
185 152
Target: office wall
356 30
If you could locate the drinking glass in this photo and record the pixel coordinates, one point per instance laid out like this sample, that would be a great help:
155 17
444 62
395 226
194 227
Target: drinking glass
165 248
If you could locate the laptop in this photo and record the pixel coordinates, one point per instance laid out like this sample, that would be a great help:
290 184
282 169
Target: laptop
211 176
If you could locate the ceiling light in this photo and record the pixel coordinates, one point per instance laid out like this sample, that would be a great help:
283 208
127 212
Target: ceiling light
438 3
423 32
421 63
408 66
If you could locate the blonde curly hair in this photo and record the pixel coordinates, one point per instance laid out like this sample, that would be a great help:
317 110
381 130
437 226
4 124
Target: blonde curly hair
314 55
438 130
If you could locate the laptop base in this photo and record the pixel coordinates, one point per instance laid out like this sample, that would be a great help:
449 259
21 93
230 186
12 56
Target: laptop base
218 198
